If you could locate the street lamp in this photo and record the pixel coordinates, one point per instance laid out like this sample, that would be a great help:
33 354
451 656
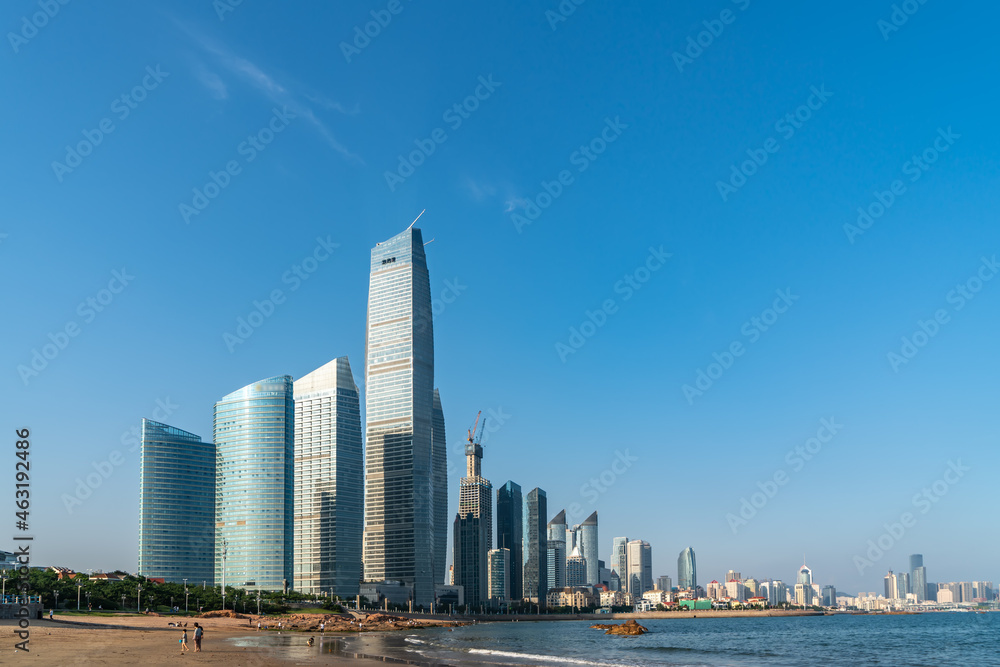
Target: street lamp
3 595
138 598
56 594
185 596
79 587
123 602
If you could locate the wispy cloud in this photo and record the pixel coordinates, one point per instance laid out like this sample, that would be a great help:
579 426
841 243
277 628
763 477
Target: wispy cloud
267 85
212 82
514 202
479 191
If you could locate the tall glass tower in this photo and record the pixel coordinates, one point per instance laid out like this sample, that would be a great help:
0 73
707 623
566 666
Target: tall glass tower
535 555
556 545
619 557
687 570
509 533
586 539
918 577
254 442
329 481
176 504
402 536
473 527
439 463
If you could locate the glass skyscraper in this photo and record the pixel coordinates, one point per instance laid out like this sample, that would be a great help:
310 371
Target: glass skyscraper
254 443
509 533
619 557
556 545
439 463
328 481
640 567
687 570
176 505
404 458
585 537
535 575
918 577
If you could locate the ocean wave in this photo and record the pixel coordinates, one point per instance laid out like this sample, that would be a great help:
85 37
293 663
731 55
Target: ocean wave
542 658
414 640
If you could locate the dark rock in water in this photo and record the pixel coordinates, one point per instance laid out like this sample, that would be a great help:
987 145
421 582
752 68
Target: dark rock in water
629 627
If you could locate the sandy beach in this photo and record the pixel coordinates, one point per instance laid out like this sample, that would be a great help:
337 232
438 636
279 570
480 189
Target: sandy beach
149 641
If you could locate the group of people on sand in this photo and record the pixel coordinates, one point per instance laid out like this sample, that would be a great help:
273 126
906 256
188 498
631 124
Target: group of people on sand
199 632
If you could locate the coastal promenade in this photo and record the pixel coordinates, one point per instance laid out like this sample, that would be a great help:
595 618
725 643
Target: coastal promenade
699 613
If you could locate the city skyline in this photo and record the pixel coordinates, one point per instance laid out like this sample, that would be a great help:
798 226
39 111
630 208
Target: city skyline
816 332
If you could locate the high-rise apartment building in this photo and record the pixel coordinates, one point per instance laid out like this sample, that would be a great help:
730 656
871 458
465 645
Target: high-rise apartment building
404 458
733 575
576 569
176 504
328 481
664 583
499 579
687 570
640 567
254 445
585 537
510 536
473 527
535 573
619 556
556 544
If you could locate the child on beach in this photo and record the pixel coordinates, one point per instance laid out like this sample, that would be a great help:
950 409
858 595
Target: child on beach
184 641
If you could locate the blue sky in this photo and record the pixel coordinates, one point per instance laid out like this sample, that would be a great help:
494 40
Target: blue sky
640 144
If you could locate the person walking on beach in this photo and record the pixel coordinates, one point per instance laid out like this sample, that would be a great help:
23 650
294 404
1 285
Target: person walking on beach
50 614
198 634
184 641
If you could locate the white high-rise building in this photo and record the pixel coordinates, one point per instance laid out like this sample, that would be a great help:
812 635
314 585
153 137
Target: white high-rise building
328 481
639 567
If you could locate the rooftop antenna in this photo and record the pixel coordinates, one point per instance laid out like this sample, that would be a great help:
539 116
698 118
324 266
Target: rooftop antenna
417 218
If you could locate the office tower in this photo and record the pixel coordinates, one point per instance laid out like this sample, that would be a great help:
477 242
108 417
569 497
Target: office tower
586 538
535 577
401 538
889 582
776 591
509 533
499 580
664 584
439 470
916 561
687 570
176 504
576 569
640 567
829 596
605 575
473 524
803 595
556 545
753 587
328 481
733 575
254 451
918 582
903 584
615 582
805 576
619 556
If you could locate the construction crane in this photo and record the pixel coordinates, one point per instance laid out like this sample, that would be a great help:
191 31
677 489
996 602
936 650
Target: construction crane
473 448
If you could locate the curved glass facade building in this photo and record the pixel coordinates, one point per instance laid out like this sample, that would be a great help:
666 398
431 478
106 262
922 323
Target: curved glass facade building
176 505
687 570
254 444
404 531
329 481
